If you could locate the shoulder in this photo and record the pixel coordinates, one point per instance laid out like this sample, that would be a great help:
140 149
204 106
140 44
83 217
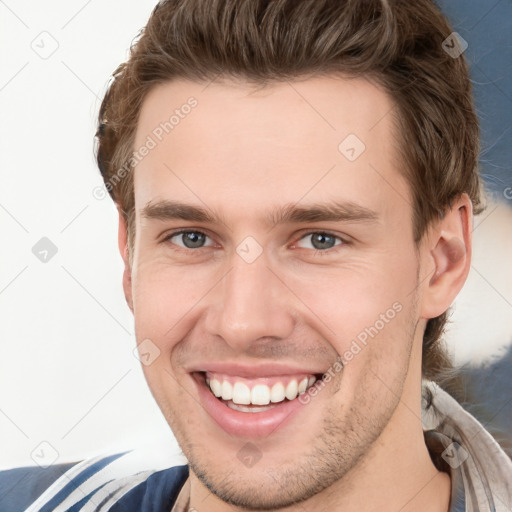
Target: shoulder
472 454
118 482
19 487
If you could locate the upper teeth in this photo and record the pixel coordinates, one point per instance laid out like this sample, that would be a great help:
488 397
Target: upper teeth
259 394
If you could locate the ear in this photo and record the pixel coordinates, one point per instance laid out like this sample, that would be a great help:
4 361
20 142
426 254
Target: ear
123 249
449 243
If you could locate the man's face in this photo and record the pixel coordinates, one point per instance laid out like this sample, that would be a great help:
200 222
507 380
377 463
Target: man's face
262 304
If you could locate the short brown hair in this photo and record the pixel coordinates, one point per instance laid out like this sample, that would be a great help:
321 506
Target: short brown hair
396 43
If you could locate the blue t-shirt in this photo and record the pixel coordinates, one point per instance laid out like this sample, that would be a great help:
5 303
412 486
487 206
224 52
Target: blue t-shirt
153 492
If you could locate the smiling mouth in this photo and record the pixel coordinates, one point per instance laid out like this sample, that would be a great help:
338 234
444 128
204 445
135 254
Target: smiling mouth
258 394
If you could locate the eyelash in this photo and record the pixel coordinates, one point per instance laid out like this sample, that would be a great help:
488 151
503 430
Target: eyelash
303 235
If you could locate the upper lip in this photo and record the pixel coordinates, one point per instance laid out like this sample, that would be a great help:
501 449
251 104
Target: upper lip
254 370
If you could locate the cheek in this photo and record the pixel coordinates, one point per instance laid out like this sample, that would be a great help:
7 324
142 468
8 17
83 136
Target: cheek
165 300
164 312
367 313
347 301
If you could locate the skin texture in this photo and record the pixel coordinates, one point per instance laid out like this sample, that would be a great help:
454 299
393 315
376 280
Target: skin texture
242 151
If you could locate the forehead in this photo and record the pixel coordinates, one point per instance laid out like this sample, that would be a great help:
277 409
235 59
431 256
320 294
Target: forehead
235 144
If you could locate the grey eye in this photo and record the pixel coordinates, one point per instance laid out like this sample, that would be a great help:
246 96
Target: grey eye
321 241
190 239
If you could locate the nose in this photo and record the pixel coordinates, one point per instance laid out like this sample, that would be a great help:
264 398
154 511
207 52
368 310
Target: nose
251 306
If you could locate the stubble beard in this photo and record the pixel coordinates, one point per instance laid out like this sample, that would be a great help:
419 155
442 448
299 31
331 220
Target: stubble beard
343 443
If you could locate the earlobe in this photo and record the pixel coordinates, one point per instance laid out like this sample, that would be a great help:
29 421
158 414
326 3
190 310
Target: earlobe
124 251
451 255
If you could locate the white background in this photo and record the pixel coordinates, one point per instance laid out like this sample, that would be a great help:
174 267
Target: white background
68 375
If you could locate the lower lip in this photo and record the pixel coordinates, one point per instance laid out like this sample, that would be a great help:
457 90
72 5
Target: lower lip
245 424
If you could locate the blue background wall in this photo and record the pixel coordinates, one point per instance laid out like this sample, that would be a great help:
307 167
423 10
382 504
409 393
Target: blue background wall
487 27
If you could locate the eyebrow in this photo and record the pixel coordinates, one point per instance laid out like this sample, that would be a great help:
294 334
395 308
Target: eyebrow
335 211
